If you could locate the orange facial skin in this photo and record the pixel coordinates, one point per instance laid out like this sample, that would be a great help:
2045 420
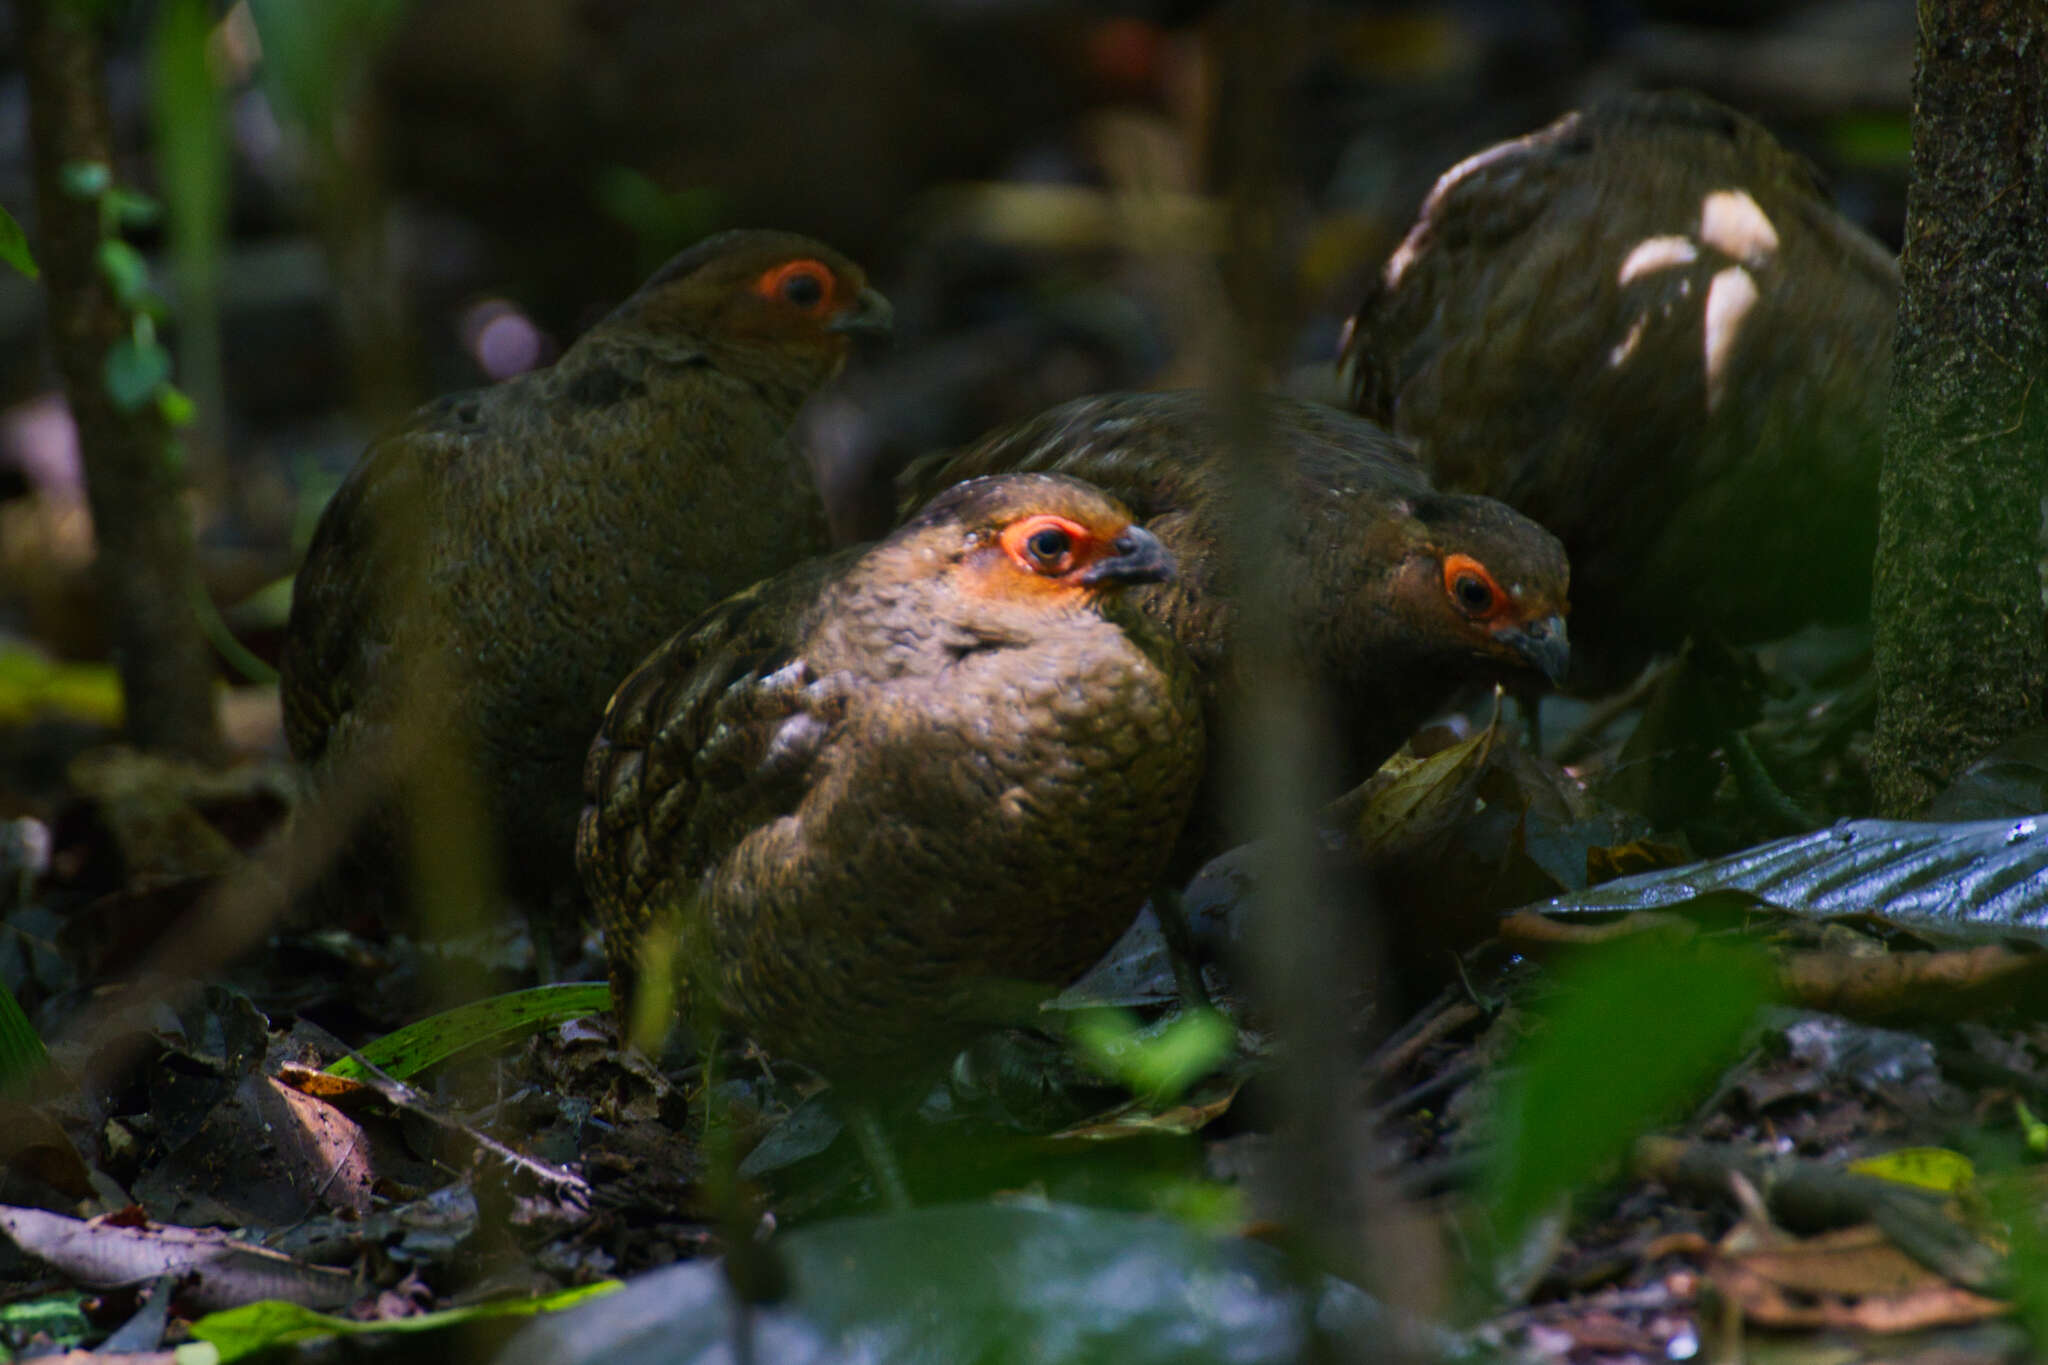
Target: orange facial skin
809 286
1046 555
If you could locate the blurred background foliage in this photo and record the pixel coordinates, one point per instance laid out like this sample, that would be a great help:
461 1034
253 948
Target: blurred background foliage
370 202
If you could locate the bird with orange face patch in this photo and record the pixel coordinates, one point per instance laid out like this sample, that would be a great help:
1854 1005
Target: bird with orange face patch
490 570
1397 595
873 799
1647 327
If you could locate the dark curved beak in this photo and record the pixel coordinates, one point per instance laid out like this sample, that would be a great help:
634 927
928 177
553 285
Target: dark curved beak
1544 644
871 317
1138 558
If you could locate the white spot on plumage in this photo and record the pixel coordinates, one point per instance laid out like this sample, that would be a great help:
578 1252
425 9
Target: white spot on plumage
1620 354
1729 299
1657 253
1732 224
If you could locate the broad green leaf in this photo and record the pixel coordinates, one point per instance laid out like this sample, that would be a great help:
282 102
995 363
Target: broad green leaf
133 371
14 247
274 1323
994 1282
1635 1032
412 1049
1157 1063
125 271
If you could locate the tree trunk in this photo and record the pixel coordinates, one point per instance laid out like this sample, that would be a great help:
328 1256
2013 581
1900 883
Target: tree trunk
1961 654
145 567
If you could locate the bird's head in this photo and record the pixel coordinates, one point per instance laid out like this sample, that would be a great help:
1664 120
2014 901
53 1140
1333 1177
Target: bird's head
1480 577
1036 540
771 292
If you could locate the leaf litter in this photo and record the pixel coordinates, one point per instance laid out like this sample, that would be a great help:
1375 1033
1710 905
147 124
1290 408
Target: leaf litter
526 1169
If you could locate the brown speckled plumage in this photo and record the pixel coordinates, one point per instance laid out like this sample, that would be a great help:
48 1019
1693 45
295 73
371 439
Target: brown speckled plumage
525 545
1646 327
879 785
1372 617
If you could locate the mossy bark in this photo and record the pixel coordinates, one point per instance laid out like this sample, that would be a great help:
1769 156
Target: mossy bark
1961 653
145 566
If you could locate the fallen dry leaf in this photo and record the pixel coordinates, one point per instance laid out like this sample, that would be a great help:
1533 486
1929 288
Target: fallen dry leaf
220 1271
1852 1278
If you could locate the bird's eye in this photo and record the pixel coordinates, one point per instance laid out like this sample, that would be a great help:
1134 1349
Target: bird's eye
1050 545
805 291
804 285
1475 594
1045 544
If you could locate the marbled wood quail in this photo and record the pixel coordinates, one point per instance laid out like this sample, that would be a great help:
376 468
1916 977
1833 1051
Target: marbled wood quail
1398 594
1645 327
518 549
872 792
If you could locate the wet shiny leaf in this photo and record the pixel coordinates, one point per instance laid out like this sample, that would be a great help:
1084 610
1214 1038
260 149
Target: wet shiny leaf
1988 875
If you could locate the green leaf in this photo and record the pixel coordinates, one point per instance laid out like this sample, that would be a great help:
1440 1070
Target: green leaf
996 1282
314 56
133 371
14 247
22 1054
85 179
2035 1131
59 1318
1928 1168
1636 1032
273 1323
132 208
663 221
177 409
267 608
412 1049
32 685
1157 1063
192 158
127 274
1871 139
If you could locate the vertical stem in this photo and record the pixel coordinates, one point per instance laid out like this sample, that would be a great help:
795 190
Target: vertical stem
1307 959
1962 659
146 559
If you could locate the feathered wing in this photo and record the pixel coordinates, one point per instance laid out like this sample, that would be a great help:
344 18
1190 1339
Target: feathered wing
369 547
714 734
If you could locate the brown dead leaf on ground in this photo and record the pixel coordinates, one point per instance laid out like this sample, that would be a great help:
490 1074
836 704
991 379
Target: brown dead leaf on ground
221 1270
1852 1278
268 1155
